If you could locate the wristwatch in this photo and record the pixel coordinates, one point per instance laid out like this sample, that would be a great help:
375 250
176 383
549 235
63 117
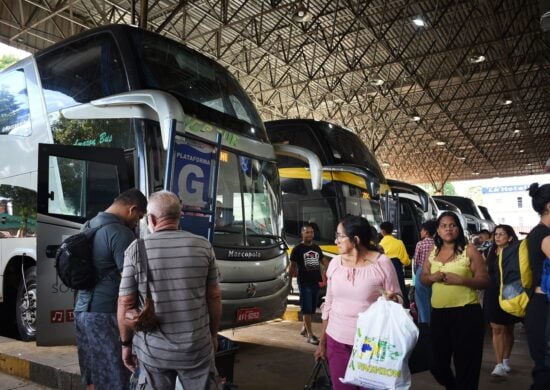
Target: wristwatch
126 343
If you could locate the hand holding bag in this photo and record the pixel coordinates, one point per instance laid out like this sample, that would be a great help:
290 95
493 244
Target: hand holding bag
144 319
384 339
318 380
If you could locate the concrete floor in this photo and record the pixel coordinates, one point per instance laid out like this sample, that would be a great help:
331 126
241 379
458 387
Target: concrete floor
273 356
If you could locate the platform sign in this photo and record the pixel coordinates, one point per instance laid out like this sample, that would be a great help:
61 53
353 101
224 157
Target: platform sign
193 181
192 167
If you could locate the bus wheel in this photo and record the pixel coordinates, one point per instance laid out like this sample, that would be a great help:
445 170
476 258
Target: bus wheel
25 306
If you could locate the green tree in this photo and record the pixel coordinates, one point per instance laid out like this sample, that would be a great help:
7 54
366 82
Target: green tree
7 60
24 204
8 108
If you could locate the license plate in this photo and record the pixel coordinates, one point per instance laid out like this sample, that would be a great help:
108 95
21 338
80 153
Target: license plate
248 314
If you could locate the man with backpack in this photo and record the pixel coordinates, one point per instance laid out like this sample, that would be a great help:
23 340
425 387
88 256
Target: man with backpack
97 335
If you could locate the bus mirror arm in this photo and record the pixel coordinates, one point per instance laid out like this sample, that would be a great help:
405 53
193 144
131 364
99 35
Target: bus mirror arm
315 166
146 104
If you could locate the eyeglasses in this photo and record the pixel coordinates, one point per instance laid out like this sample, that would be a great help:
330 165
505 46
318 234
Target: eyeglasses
339 236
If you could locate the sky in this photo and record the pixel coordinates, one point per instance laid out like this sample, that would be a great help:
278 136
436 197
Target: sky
5 49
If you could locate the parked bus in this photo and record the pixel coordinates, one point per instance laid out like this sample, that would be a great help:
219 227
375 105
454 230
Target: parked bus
119 107
352 179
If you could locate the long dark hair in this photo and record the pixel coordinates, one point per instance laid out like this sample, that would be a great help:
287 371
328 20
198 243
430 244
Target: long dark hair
460 242
540 195
358 226
509 231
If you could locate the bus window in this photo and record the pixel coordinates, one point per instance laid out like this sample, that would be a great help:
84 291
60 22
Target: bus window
17 212
81 188
14 110
302 204
358 202
81 71
107 133
247 199
204 87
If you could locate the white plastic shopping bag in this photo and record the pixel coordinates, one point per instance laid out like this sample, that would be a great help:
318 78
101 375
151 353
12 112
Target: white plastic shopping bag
384 339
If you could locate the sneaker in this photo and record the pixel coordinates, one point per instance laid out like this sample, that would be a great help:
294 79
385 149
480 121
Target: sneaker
499 371
506 366
303 332
313 340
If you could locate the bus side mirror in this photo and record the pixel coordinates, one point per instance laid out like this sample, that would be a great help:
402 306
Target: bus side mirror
297 152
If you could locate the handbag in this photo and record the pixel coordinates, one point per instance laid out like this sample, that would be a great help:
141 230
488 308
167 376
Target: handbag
319 380
144 319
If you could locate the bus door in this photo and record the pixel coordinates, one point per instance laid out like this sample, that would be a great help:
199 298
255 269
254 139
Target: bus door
192 174
74 184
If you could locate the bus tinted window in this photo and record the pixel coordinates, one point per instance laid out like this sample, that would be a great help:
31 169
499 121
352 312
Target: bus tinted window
108 133
80 72
14 104
200 83
298 135
348 148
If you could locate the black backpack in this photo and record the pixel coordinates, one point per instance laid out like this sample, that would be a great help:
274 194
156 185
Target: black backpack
74 260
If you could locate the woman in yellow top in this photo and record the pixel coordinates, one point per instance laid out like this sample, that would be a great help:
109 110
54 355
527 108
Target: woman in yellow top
455 270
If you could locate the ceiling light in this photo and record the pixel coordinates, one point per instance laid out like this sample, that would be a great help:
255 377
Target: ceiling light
506 102
385 164
415 118
440 143
301 14
476 59
461 158
475 173
522 150
529 164
517 131
375 80
418 21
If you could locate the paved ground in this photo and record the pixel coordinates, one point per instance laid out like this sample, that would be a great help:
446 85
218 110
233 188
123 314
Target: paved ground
9 382
271 356
274 356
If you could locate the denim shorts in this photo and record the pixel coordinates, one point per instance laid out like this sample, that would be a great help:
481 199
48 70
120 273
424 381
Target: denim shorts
308 297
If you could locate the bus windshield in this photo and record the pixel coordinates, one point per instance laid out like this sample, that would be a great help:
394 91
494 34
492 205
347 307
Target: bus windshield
247 201
347 148
206 88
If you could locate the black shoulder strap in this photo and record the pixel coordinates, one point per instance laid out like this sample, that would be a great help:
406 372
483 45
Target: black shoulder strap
90 232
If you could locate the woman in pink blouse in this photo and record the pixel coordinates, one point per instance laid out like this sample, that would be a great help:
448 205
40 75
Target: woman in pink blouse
355 279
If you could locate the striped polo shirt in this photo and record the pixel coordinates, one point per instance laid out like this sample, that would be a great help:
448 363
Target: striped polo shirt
181 265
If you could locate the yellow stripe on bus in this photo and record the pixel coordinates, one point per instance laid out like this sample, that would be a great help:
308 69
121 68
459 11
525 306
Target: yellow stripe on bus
344 177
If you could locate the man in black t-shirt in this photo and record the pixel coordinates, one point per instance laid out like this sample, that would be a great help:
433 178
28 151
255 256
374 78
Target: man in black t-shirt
306 261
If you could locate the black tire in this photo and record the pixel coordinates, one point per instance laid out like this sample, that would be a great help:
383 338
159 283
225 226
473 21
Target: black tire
25 306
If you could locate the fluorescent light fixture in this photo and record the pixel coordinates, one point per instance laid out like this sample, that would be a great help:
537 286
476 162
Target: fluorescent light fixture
415 118
252 130
301 14
418 21
476 59
375 80
440 143
517 131
385 164
506 102
522 150
461 158
475 173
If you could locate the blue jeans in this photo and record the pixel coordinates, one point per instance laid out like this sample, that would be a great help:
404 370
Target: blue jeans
308 297
423 297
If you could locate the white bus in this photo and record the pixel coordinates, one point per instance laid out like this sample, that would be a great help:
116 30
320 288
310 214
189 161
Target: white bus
119 107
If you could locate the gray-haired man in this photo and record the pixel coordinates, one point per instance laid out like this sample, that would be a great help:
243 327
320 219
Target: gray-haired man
183 278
